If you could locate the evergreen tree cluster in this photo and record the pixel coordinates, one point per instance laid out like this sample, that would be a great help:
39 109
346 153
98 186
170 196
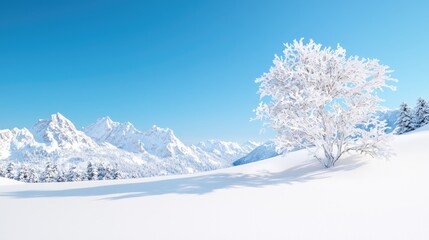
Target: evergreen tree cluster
51 173
410 119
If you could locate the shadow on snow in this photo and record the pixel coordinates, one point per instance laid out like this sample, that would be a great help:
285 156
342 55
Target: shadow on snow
196 185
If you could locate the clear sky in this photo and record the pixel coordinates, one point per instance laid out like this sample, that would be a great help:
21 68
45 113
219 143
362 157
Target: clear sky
186 65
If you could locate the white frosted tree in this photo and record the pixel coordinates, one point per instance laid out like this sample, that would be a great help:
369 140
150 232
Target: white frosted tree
91 171
61 177
51 172
109 173
421 113
24 174
116 173
33 176
101 171
406 121
74 174
319 99
10 171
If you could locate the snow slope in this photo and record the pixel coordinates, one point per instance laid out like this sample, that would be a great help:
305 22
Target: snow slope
421 129
285 197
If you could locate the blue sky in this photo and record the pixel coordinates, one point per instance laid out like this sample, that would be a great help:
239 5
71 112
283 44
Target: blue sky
187 65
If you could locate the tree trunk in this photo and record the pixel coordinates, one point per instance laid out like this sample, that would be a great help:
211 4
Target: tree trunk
329 158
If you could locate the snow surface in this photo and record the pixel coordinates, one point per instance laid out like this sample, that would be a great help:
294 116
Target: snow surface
285 197
422 129
7 181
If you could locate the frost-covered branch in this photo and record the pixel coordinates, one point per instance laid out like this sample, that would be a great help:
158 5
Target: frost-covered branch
318 98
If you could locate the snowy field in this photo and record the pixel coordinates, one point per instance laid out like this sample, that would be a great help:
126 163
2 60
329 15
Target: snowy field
285 197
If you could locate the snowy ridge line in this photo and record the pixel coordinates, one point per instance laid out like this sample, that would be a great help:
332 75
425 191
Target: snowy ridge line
108 144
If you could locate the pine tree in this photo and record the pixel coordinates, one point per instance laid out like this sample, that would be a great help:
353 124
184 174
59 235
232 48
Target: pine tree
91 172
61 177
10 171
116 173
24 174
74 174
51 173
406 122
422 113
33 176
101 172
109 173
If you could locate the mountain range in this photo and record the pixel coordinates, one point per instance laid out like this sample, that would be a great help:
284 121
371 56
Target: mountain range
154 152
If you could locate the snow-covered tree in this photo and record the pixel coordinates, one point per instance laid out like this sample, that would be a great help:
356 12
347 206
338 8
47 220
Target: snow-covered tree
33 176
2 171
101 171
51 172
61 177
116 173
421 113
109 173
74 174
24 174
91 171
406 121
10 171
320 99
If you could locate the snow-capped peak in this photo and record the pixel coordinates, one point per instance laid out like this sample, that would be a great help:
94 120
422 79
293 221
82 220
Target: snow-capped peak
100 130
56 121
107 122
58 131
162 133
228 151
163 142
250 145
219 146
14 140
121 135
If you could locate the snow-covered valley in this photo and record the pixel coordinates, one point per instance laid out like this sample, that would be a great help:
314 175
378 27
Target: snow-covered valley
285 197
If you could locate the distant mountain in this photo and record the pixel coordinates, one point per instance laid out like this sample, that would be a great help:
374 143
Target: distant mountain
390 117
228 151
162 142
60 133
155 152
266 150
